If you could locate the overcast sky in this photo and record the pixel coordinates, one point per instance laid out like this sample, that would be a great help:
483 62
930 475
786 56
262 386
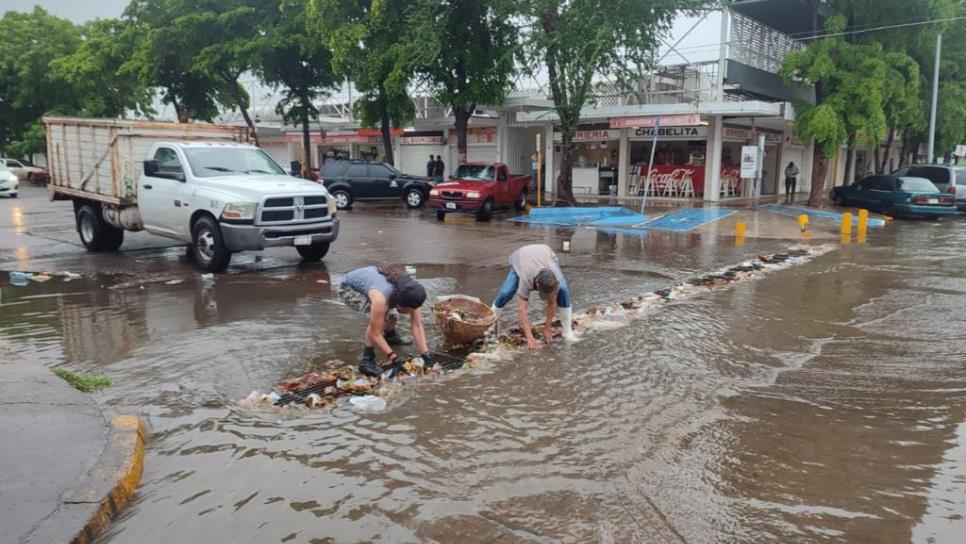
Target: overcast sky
75 10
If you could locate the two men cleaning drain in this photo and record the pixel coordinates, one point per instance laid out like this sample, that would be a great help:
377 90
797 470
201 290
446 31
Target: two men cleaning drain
383 293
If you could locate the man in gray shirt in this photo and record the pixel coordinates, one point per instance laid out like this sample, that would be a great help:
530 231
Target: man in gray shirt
536 268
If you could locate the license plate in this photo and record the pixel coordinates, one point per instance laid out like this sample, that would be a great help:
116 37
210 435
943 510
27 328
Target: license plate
303 240
933 201
450 205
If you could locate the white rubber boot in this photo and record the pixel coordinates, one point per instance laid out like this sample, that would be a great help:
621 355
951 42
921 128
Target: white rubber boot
567 323
496 324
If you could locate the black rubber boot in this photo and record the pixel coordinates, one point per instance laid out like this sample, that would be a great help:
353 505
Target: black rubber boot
393 339
368 365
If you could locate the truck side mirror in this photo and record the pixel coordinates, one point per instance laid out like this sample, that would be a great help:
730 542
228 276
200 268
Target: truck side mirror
151 168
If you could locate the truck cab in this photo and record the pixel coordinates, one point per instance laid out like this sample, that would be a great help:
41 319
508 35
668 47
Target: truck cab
479 188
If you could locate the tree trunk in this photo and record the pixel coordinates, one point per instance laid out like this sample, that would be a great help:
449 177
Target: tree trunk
819 170
385 125
890 141
462 117
178 111
306 145
850 148
241 103
565 181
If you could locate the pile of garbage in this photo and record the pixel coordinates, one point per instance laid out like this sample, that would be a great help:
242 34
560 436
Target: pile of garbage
320 389
21 279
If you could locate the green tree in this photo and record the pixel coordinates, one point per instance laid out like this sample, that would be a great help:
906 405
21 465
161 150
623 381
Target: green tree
291 57
163 58
28 88
367 39
231 29
849 89
583 42
464 50
92 72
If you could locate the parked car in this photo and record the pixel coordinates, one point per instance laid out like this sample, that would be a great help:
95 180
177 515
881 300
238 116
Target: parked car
895 195
23 170
8 182
479 188
200 185
351 180
948 179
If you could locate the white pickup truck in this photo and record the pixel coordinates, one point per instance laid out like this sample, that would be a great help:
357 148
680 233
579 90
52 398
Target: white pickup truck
199 184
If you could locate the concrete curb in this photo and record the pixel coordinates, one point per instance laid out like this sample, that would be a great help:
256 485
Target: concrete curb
87 509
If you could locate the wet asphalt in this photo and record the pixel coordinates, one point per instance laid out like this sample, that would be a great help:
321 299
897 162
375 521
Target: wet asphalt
823 403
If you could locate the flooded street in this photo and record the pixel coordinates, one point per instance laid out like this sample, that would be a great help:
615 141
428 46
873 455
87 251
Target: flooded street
821 403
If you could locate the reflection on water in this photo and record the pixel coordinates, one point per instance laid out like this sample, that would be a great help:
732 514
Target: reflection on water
821 403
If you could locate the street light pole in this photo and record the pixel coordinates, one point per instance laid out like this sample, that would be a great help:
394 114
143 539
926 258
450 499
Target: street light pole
930 155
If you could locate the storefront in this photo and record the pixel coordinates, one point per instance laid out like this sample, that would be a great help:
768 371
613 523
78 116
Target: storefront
680 160
595 160
480 147
415 149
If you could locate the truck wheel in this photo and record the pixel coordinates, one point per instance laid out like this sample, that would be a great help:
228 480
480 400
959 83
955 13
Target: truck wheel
521 202
415 199
314 252
343 200
839 200
113 237
486 211
440 215
209 249
90 227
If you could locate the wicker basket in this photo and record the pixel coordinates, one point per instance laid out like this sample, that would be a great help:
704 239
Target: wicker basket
456 331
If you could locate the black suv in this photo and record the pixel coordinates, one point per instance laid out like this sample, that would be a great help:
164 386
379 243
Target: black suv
348 181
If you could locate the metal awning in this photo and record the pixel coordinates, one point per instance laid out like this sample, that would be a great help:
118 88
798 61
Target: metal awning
749 108
792 17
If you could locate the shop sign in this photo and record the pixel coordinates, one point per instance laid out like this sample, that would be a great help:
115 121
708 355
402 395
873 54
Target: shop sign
960 151
731 133
334 138
649 121
590 135
477 135
377 133
422 140
680 133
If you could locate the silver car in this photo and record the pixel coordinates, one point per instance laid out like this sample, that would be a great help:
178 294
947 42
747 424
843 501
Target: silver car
948 179
9 184
22 170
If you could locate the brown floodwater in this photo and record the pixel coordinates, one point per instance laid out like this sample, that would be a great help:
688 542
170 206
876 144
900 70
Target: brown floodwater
821 403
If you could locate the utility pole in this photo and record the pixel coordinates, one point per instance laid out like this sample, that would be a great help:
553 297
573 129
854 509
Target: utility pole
930 154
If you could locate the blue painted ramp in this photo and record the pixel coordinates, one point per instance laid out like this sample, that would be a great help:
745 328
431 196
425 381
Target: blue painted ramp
575 217
795 211
688 218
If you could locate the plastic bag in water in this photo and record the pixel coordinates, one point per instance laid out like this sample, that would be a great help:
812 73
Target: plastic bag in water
369 403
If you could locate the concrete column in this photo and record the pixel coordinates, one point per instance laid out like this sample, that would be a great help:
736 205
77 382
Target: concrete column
850 175
623 164
550 174
712 169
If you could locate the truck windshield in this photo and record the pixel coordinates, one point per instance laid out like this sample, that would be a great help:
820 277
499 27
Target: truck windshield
474 171
218 161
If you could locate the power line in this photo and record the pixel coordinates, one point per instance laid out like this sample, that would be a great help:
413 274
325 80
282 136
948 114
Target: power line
886 27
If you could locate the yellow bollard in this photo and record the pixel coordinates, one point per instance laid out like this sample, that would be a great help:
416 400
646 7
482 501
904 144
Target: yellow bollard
803 222
845 239
740 228
846 224
863 225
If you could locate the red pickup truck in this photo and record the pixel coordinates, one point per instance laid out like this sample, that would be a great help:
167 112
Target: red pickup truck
478 188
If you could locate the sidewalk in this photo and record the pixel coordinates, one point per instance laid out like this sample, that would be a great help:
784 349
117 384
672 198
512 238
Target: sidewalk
65 468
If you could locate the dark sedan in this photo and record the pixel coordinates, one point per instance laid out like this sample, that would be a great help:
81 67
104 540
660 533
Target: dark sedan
895 195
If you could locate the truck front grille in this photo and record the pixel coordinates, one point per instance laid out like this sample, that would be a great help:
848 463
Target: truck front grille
293 210
452 194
